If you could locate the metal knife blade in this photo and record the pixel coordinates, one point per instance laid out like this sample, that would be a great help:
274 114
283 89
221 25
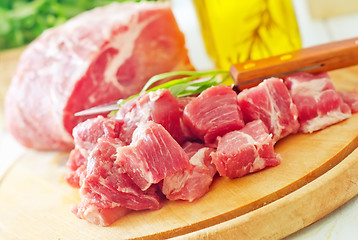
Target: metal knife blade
112 106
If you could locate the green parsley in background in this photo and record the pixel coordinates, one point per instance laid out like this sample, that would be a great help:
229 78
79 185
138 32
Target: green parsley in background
21 21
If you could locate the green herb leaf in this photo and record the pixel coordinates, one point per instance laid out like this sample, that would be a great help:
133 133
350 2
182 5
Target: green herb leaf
188 83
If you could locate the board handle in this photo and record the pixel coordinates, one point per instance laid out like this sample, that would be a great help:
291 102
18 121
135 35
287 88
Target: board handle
320 58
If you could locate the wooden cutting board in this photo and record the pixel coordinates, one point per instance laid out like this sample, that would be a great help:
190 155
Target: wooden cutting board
318 173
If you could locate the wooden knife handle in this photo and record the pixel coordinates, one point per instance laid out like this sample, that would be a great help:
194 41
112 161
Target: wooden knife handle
315 59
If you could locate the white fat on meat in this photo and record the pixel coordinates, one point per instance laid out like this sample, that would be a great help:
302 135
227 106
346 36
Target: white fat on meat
270 102
318 103
323 121
127 43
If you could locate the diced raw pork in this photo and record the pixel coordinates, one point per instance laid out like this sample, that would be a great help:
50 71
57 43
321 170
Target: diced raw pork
77 168
350 98
108 180
194 182
87 133
318 103
159 106
245 151
97 57
187 134
213 113
99 212
270 102
152 155
183 101
107 193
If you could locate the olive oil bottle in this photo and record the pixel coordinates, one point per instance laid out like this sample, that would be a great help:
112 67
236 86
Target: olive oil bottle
239 30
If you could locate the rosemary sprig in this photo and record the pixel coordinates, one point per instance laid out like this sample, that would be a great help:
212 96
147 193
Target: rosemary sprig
188 83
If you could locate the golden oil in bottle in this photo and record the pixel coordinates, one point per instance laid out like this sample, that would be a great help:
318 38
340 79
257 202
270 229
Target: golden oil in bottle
239 30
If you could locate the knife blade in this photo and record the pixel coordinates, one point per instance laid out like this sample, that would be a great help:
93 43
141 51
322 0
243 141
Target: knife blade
103 108
319 58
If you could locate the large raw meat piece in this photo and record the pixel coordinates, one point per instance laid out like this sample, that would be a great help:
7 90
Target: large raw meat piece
245 151
318 103
270 102
159 106
97 57
193 182
213 113
152 155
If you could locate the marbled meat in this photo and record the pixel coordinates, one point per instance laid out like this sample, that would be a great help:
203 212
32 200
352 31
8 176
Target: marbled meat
318 103
245 151
106 186
158 147
159 106
194 182
270 102
86 135
152 155
97 57
350 98
213 113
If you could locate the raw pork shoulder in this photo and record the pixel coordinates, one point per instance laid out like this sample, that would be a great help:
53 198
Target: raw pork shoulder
77 168
152 155
107 187
159 106
351 98
97 57
318 103
86 139
213 113
86 135
245 151
270 102
193 182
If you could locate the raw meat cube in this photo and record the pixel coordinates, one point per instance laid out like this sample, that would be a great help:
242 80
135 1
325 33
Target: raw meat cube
270 102
108 193
87 133
213 113
99 213
245 151
194 182
77 166
350 98
107 179
318 103
159 106
152 155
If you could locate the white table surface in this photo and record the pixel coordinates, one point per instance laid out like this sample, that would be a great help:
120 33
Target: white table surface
340 224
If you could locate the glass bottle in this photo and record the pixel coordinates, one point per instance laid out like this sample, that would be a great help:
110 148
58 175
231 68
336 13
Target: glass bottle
239 30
